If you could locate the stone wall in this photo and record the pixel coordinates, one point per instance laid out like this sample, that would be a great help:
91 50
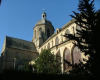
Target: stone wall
17 56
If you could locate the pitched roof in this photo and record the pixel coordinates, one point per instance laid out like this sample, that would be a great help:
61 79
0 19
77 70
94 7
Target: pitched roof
20 44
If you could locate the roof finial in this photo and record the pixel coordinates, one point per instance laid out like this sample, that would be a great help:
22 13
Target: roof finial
43 10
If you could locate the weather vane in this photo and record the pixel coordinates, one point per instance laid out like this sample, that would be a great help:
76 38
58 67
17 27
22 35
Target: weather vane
43 10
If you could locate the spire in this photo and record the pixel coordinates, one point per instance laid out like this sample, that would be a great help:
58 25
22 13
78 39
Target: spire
44 14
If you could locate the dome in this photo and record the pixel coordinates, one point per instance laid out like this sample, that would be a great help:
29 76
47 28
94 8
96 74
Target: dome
43 20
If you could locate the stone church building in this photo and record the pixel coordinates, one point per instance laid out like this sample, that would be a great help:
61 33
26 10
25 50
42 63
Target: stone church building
16 52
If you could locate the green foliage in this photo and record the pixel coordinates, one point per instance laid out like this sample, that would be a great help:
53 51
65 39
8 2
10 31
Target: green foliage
27 67
89 21
0 2
47 63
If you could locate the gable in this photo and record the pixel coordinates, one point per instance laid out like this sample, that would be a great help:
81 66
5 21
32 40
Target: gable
20 44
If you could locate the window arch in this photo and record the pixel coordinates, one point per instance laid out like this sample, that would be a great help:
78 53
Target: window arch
40 30
57 41
48 33
78 28
58 57
67 57
35 34
76 55
48 46
67 31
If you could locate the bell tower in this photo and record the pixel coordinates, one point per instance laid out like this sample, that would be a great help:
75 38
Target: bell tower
43 29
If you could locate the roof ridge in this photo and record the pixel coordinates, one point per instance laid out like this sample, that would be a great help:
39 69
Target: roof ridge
18 39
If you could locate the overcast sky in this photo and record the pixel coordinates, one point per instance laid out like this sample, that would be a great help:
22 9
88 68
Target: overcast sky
18 17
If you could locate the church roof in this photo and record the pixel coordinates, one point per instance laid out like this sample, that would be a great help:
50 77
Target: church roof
20 44
43 21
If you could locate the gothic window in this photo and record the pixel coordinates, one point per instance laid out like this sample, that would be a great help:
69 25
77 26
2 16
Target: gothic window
48 33
66 57
40 30
57 41
35 34
78 28
67 32
58 57
76 55
48 46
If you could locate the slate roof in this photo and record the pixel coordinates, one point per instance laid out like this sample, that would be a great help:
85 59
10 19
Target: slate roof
43 21
20 44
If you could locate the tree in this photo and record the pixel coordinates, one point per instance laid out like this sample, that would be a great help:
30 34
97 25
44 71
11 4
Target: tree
27 67
0 2
47 63
88 40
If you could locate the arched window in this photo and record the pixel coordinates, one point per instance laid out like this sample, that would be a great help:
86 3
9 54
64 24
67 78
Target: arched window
40 30
78 28
48 46
35 34
57 41
76 55
67 32
48 33
58 57
67 57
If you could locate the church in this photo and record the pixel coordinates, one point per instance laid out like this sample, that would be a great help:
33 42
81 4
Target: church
16 52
